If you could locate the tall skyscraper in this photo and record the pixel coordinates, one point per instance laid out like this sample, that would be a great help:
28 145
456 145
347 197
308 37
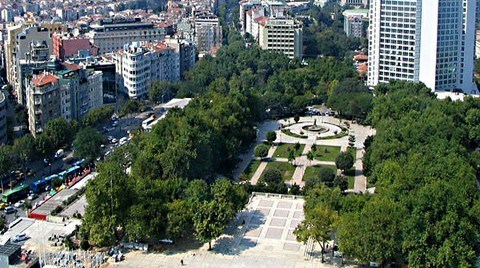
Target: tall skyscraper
429 41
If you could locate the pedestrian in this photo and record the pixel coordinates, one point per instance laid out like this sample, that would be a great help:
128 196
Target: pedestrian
181 262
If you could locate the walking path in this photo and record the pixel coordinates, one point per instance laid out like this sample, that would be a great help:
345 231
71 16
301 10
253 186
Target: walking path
360 133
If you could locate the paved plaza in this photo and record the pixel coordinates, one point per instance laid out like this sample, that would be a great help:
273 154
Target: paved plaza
266 239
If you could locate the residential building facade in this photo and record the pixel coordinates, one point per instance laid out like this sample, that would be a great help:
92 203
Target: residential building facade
43 102
141 63
208 33
3 118
111 35
282 35
65 45
423 41
354 21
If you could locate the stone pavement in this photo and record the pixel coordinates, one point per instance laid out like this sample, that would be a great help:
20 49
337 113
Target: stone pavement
265 240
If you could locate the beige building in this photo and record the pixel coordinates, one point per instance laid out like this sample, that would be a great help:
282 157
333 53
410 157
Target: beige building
282 35
18 43
112 35
43 102
208 33
3 118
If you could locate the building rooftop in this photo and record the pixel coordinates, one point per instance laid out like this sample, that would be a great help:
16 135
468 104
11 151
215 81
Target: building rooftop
44 79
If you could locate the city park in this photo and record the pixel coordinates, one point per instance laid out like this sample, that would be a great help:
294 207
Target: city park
303 145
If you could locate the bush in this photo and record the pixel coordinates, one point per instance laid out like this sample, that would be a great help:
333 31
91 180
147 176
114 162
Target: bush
272 176
84 245
261 150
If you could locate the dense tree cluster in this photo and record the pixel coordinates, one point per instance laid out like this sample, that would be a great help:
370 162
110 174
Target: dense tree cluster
424 164
136 207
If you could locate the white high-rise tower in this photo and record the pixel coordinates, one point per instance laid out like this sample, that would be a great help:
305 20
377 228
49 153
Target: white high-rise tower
429 41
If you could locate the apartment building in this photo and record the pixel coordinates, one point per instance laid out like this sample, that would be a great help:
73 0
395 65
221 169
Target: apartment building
282 35
354 21
18 44
208 33
356 3
3 118
423 41
140 63
66 45
112 34
186 51
43 102
69 93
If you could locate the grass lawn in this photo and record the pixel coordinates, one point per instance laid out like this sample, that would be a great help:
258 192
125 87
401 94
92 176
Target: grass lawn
285 168
353 151
282 150
312 171
350 174
251 168
327 153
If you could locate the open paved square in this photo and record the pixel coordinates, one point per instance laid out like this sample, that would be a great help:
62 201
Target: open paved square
265 239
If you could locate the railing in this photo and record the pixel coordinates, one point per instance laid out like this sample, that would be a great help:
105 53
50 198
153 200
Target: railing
281 196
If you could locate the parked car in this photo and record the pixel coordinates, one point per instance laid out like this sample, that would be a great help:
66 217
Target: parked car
166 241
20 237
32 196
60 153
115 124
9 210
114 140
19 204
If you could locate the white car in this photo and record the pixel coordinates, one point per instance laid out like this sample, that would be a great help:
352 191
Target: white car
114 140
19 203
20 237
32 196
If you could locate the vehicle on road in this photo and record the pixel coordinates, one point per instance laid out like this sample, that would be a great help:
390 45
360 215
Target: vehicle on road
32 196
20 237
166 241
9 210
19 204
60 153
39 185
109 138
114 140
15 194
115 124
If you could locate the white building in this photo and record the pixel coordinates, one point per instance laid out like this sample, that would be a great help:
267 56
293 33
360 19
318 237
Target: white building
208 33
356 3
141 63
282 35
112 35
354 21
428 41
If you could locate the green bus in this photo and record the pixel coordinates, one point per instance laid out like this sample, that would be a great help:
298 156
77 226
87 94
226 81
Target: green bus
15 194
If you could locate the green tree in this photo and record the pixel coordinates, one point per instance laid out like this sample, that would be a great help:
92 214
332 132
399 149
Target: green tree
44 146
291 156
97 116
344 161
319 224
271 137
261 150
310 156
60 132
109 200
272 176
296 118
372 234
314 147
87 143
6 163
210 219
162 91
24 147
179 219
